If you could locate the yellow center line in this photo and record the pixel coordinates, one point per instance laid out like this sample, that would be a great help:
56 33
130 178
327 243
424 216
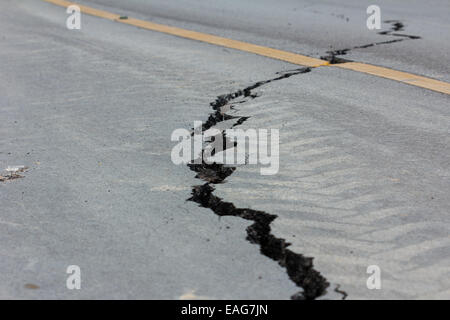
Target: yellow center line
294 58
405 77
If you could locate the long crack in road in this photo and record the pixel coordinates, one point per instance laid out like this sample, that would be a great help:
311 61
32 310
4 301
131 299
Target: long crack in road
333 55
299 268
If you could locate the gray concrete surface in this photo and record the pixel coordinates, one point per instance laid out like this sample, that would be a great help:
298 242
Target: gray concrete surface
364 175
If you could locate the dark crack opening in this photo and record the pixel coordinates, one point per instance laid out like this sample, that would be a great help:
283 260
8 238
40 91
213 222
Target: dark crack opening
332 55
299 268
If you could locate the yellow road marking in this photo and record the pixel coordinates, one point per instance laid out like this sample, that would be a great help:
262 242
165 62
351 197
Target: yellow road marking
404 77
203 37
229 43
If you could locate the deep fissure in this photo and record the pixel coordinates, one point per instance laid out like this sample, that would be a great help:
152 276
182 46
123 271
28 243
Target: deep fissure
298 267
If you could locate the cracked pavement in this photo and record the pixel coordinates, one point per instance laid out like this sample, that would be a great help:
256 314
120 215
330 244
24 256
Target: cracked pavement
364 161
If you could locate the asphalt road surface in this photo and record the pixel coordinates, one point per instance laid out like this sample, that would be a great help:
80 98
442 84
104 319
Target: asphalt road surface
364 175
